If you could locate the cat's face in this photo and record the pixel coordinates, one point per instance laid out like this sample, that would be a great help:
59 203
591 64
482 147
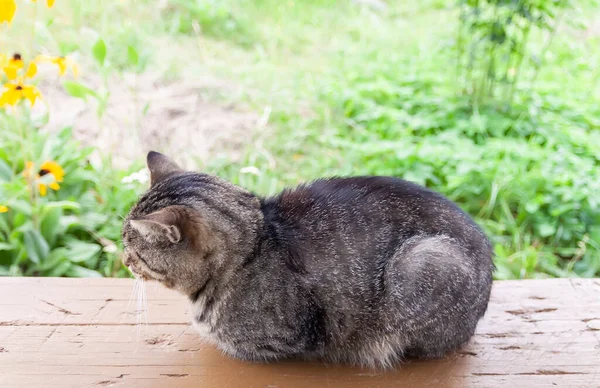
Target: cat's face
165 237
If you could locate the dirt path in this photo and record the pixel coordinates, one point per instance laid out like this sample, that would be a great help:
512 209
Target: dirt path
145 112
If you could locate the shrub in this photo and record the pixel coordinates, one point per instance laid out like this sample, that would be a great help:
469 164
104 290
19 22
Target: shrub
527 179
71 231
494 44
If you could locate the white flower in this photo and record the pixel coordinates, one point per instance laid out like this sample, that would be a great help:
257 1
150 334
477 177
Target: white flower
112 248
250 170
139 176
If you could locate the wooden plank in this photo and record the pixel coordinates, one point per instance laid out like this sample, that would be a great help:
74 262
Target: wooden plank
81 332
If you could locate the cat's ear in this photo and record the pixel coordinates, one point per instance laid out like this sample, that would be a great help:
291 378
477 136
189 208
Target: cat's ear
159 226
161 167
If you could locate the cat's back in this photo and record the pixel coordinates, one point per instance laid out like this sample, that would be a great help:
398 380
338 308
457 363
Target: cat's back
367 191
367 201
367 216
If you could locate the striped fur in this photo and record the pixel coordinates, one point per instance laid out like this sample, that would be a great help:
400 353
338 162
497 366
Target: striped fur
362 270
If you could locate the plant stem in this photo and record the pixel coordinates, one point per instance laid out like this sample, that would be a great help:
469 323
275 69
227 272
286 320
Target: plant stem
545 49
521 52
460 46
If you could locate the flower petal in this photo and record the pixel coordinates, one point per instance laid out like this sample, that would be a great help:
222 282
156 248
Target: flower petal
11 95
7 10
62 65
54 186
31 93
16 61
11 72
43 190
31 70
3 209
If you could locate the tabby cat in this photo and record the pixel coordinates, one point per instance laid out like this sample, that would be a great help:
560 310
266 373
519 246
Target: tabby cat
360 270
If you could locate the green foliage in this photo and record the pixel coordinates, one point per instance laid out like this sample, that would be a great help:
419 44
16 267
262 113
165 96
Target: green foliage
346 90
527 174
494 44
535 194
74 231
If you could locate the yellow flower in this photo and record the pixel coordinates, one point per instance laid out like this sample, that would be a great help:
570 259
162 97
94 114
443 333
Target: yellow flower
3 209
50 174
15 92
13 65
7 10
63 63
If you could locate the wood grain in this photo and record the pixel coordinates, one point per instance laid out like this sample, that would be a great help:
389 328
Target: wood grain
81 333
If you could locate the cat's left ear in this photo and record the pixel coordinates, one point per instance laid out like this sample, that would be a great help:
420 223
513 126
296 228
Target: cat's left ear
161 167
159 226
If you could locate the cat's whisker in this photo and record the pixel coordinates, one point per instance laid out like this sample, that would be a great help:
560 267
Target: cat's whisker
133 294
142 308
145 308
133 305
138 312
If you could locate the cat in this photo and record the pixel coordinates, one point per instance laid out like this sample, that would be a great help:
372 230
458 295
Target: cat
361 270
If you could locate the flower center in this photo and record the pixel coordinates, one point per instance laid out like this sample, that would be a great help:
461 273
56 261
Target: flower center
17 56
43 172
19 87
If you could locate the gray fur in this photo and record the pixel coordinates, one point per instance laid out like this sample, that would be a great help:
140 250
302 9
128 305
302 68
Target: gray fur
366 270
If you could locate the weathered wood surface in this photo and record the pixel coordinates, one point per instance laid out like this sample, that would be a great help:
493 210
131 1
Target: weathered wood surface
81 333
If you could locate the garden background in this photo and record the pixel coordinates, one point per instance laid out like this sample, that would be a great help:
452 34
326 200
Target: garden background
494 103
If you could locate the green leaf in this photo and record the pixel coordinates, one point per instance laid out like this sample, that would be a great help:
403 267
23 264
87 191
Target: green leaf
65 205
54 258
82 272
4 225
532 207
99 51
80 251
5 171
21 208
78 90
547 230
7 246
50 224
132 56
37 248
61 269
92 220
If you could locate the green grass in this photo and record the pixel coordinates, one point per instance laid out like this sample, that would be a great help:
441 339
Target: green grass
353 91
381 96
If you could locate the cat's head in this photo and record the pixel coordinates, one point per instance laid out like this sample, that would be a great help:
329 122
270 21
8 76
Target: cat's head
187 226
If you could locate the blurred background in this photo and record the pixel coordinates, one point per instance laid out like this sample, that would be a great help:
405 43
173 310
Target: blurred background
494 103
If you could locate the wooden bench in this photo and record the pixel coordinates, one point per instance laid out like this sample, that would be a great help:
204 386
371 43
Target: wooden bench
81 333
